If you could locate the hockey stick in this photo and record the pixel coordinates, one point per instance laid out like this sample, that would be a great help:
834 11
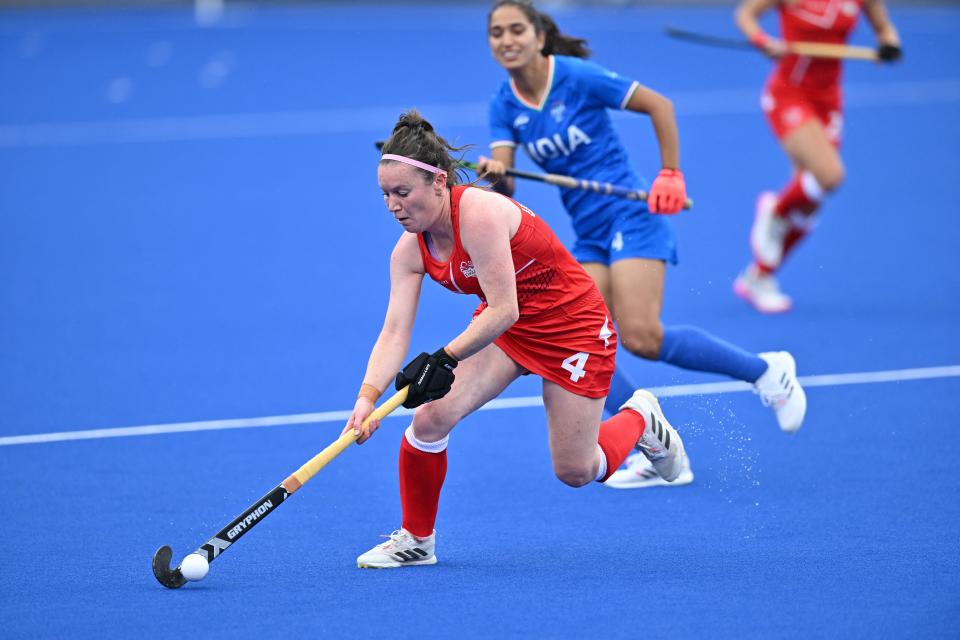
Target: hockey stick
811 49
567 182
255 513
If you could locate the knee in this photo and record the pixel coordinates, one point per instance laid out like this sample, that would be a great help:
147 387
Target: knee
644 339
574 475
433 422
831 177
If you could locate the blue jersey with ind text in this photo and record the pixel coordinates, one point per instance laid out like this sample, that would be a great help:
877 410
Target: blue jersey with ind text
570 133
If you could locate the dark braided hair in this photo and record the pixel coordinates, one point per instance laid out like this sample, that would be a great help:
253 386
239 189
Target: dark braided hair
415 138
555 41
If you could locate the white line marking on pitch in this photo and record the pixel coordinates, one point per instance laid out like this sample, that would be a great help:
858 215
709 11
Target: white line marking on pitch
234 126
828 380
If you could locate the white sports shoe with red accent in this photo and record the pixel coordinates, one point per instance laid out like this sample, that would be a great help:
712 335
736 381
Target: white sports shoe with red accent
640 474
403 549
779 389
761 291
659 442
768 232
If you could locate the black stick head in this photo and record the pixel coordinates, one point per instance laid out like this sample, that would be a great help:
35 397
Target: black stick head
170 578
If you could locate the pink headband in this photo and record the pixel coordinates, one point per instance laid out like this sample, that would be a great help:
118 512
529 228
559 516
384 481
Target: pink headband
412 162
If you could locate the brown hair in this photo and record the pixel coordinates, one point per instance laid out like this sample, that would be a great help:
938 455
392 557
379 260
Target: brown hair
555 41
415 138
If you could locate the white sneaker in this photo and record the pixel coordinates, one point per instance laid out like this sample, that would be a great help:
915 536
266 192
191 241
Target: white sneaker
768 232
403 549
762 291
779 388
640 474
660 442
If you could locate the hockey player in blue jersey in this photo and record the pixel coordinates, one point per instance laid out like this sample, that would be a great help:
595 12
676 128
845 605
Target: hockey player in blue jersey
554 105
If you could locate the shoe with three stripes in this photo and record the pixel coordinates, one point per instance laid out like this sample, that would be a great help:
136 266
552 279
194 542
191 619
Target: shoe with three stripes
779 389
660 442
403 549
638 473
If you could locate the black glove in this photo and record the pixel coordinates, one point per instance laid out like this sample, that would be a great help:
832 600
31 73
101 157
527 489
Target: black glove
429 377
889 52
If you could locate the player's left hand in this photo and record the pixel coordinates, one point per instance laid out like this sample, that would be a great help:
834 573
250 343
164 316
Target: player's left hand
889 52
429 376
668 192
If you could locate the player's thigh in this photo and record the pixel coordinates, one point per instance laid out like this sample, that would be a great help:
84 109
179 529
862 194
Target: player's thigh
637 288
809 147
601 277
478 379
573 424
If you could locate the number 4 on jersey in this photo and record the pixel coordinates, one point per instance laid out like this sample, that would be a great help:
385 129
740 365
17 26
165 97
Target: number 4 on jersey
575 365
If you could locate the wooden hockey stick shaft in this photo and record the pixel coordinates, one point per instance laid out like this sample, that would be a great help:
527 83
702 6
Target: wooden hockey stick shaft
256 512
811 49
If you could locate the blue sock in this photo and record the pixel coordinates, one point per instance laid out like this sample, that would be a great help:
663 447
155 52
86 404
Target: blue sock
621 388
692 348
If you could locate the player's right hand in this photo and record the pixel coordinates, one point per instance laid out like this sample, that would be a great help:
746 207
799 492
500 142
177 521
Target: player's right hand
429 377
889 52
489 169
362 409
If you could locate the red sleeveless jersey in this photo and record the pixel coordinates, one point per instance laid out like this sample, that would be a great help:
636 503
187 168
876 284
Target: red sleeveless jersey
547 275
564 333
828 21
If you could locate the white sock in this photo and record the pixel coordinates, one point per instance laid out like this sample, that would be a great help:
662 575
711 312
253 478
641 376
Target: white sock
811 188
603 465
426 447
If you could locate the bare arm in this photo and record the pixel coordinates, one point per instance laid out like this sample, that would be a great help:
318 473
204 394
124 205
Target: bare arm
386 358
879 19
485 223
660 110
747 19
406 279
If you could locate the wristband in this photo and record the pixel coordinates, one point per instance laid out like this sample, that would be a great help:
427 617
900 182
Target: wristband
369 392
759 40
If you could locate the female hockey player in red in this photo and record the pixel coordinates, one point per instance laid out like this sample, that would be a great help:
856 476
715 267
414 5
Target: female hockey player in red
539 313
803 104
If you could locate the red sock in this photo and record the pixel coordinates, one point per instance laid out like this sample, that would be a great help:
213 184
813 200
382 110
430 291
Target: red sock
618 437
421 478
793 198
794 236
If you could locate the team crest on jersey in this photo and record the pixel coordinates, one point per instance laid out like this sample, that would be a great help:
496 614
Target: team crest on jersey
557 111
521 121
467 269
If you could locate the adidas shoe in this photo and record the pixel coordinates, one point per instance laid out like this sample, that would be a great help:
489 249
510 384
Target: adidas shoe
779 388
640 474
660 442
762 291
768 232
403 549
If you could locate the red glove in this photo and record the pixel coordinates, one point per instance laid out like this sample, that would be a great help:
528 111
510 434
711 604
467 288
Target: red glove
668 193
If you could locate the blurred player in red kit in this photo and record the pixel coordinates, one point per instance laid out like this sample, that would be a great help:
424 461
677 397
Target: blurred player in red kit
803 103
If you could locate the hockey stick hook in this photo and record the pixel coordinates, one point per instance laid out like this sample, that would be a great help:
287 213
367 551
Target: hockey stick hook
170 578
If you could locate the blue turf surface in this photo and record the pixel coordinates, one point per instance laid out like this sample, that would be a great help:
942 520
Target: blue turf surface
190 229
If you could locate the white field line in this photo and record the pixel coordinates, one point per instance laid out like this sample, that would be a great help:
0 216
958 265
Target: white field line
376 120
828 380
